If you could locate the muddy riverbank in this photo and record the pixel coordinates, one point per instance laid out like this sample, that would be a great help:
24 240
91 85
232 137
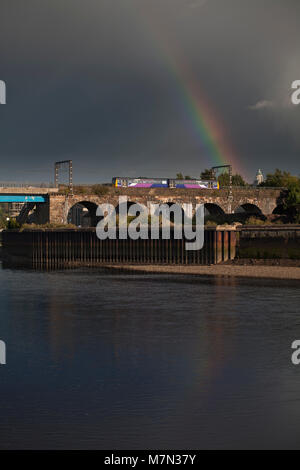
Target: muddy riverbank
250 271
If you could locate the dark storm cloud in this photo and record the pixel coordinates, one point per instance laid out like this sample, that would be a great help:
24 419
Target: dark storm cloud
90 80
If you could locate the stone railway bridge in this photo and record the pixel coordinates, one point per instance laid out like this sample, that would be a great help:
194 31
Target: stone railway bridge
263 201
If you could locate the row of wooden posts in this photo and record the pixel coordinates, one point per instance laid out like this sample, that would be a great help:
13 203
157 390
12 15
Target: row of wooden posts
56 248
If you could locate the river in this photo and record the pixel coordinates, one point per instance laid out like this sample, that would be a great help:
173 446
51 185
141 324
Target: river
120 361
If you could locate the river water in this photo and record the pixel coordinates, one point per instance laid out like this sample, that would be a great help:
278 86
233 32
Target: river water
115 361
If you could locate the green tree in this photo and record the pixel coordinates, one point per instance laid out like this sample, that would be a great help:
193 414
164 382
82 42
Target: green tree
12 224
2 219
207 174
280 179
237 180
179 176
292 202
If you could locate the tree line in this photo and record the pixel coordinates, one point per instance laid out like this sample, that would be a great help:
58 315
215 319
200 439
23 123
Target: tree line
279 179
237 180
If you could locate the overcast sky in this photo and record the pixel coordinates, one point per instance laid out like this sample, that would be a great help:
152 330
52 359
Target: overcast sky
91 80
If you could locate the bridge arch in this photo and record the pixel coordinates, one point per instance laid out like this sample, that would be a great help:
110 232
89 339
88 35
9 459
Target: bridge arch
248 208
279 210
213 210
178 215
124 206
83 214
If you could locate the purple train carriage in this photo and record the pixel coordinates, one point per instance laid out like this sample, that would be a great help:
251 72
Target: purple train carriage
194 184
125 182
140 182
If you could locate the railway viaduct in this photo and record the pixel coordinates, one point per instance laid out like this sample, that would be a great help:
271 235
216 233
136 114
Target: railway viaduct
250 200
49 205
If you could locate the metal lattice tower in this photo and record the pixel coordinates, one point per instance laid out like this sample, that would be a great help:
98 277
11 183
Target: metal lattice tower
62 165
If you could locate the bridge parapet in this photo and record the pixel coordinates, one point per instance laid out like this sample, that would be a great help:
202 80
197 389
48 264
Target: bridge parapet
27 190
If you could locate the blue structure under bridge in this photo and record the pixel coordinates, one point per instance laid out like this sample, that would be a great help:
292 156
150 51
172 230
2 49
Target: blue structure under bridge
22 198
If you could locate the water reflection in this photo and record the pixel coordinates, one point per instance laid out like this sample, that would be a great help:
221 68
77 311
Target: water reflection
133 361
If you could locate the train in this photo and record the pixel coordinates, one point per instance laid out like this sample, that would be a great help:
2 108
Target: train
126 182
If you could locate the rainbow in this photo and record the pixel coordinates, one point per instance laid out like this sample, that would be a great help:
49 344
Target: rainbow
207 127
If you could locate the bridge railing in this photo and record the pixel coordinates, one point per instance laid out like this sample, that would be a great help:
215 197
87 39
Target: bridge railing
252 188
15 184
